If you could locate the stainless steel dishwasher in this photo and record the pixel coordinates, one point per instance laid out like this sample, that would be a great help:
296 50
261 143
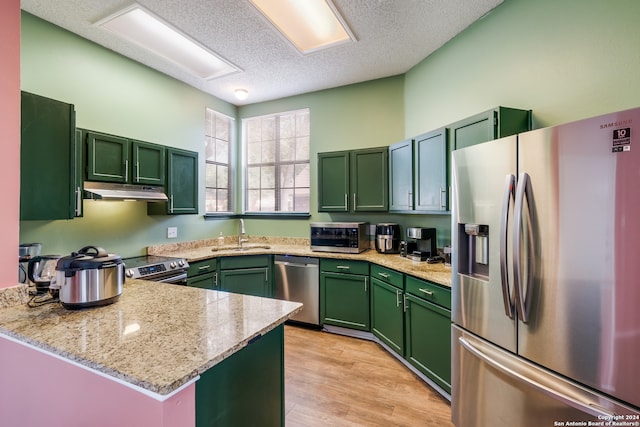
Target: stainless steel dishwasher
297 279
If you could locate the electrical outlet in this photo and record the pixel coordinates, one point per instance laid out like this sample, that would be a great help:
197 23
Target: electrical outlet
172 232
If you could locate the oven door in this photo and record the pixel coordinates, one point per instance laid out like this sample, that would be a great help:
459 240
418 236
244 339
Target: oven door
176 278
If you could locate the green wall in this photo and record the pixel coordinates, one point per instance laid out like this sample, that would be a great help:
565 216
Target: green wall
563 59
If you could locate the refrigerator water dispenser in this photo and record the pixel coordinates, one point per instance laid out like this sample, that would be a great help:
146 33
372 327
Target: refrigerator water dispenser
474 250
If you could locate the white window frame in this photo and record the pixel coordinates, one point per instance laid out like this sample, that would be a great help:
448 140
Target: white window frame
231 158
277 164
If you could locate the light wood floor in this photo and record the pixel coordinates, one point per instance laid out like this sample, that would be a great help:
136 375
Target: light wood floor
336 381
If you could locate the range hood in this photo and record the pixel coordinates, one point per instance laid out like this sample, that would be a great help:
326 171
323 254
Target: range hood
115 191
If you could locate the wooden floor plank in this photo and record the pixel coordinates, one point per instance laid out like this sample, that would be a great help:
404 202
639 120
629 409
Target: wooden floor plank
332 380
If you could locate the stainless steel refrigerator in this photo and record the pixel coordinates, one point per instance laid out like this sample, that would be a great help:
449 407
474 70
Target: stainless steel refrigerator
546 277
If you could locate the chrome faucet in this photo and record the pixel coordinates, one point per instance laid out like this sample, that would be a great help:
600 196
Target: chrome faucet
241 234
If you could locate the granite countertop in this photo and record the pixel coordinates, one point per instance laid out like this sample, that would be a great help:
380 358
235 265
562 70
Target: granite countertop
156 336
206 249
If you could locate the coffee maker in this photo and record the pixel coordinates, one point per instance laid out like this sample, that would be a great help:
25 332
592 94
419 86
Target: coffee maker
420 244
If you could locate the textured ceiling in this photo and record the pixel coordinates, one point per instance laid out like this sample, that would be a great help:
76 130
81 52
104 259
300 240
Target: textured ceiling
392 36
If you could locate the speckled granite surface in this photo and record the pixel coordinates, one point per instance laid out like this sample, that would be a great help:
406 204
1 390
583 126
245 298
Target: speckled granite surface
156 336
204 249
14 295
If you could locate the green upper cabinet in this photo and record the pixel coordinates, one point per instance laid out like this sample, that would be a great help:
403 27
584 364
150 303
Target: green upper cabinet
333 181
418 173
181 184
369 181
401 176
495 123
108 157
430 158
112 158
50 181
353 181
148 161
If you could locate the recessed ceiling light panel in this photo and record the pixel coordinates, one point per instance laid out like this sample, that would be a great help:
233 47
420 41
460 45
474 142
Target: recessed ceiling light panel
142 27
309 25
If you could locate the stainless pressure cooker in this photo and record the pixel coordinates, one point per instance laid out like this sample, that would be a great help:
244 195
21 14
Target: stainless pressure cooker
89 277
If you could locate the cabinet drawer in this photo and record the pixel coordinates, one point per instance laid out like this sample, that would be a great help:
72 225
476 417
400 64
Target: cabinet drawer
245 261
391 277
429 291
344 266
201 267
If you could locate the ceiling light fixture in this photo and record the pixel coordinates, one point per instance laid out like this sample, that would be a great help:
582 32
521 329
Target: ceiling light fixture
241 94
142 27
310 25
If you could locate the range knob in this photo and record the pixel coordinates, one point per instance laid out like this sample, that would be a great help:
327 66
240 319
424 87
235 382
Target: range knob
173 264
129 273
181 263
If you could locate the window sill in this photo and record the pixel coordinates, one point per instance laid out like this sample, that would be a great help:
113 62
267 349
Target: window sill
258 215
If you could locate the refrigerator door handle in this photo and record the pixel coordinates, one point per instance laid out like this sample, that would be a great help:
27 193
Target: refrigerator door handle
544 383
509 194
523 288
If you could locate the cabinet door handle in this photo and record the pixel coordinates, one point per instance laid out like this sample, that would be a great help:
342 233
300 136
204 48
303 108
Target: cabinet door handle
204 267
346 201
410 200
343 267
215 280
426 291
126 170
398 292
405 307
366 283
171 203
137 171
354 201
385 275
443 200
78 201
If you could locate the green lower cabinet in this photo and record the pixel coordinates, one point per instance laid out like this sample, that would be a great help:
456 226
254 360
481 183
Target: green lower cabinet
248 281
247 389
248 275
387 314
204 281
203 274
428 340
344 300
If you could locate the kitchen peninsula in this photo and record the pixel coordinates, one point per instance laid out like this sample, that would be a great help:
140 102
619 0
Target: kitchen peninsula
144 360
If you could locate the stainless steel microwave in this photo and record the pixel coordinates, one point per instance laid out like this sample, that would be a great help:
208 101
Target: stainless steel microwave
344 237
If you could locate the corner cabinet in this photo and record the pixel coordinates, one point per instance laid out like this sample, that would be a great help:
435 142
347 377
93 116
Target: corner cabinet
112 158
495 123
418 173
50 175
181 184
353 181
344 294
387 307
428 330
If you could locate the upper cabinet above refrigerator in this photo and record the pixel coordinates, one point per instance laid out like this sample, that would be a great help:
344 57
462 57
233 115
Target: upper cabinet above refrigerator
486 126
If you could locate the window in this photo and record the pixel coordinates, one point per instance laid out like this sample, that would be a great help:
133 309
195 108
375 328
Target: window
276 162
218 150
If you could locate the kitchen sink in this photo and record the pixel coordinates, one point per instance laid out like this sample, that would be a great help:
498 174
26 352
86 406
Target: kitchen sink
245 247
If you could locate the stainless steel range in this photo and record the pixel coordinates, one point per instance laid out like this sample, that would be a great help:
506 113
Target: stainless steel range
157 269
